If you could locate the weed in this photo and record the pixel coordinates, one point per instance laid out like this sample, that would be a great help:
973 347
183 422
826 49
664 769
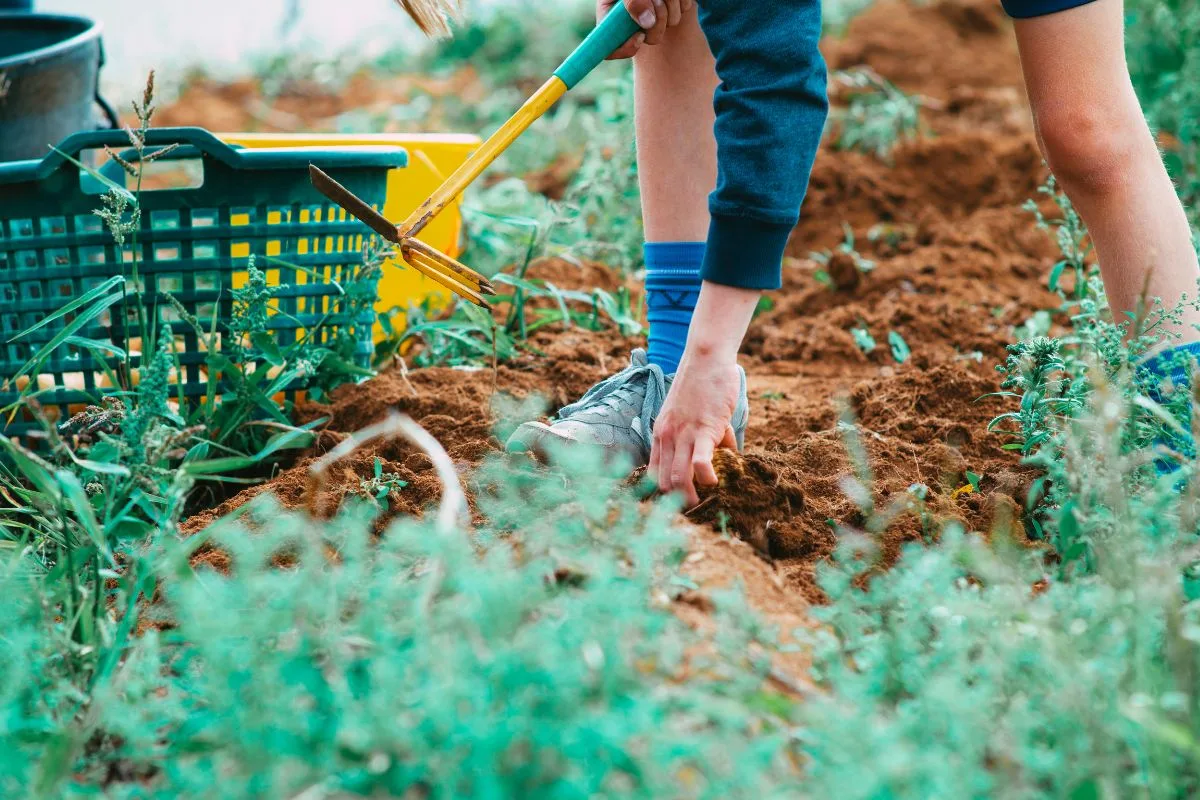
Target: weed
1163 47
863 338
381 484
1073 242
92 513
550 625
844 267
900 349
877 115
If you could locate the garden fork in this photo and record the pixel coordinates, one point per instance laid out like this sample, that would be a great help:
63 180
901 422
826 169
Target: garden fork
609 35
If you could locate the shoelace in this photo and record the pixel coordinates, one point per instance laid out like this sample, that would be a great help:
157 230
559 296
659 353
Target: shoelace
611 390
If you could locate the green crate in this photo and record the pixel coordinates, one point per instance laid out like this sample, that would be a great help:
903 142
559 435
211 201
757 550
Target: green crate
194 243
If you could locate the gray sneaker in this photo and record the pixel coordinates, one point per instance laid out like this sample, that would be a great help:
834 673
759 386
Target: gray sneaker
618 415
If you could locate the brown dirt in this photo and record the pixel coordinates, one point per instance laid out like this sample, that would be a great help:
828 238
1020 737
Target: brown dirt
958 263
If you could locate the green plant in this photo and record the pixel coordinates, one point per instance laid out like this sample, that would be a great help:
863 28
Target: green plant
842 268
837 14
900 349
381 484
88 514
473 336
536 655
1073 243
877 115
1056 381
1163 51
863 338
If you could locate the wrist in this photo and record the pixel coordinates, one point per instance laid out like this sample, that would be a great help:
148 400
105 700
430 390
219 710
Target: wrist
711 349
719 323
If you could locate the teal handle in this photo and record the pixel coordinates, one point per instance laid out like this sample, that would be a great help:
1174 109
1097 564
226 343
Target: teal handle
616 29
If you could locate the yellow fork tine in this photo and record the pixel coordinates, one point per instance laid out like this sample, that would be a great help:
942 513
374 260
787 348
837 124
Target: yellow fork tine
433 270
447 262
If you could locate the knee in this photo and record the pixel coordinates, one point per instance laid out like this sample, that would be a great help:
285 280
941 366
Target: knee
1090 149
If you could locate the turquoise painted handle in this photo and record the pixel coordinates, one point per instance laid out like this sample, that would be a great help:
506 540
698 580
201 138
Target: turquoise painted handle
614 31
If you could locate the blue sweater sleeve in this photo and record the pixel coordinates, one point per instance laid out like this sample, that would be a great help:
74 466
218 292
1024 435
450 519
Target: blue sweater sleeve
771 107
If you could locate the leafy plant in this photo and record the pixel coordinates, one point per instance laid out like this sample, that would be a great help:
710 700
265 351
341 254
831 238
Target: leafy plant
1163 51
877 115
900 349
863 338
378 665
1072 239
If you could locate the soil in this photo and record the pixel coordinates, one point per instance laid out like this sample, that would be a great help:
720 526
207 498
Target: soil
957 265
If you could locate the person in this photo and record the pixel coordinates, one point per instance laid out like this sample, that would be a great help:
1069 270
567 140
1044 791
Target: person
730 106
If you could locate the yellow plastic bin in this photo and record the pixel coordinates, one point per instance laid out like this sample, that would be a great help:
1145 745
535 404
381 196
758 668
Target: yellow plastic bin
432 157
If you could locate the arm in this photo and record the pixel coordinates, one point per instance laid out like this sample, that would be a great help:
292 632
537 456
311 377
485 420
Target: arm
770 108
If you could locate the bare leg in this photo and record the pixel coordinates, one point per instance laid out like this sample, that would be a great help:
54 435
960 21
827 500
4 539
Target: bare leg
1092 131
677 151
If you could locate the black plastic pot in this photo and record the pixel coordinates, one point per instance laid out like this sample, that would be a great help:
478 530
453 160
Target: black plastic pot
49 76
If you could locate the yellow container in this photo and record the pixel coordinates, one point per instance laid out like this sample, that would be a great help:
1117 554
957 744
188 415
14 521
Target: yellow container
432 157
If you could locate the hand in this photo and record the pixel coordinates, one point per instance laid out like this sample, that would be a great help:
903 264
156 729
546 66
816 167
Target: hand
694 421
655 16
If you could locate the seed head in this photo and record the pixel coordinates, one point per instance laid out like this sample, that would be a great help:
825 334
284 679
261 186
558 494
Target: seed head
432 16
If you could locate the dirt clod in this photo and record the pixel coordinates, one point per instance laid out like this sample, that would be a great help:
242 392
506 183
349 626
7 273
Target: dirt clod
758 497
844 272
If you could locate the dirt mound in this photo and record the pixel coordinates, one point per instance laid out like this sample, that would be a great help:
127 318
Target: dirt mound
302 104
938 49
930 180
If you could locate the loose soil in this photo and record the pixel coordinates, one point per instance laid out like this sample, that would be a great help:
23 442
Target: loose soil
958 265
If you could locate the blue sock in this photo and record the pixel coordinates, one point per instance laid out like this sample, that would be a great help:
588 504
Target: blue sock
1173 368
672 289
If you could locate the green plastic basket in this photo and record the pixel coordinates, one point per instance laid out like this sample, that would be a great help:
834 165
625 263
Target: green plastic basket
194 244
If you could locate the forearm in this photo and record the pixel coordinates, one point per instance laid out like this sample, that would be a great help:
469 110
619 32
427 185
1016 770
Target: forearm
719 324
770 108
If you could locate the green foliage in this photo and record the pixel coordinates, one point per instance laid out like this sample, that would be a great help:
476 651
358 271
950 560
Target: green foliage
471 336
900 349
848 248
534 656
1163 49
962 680
863 338
837 14
83 521
1073 243
877 115
1056 380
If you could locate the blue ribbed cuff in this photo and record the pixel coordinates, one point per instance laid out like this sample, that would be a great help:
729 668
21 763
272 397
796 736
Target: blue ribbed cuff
746 253
665 256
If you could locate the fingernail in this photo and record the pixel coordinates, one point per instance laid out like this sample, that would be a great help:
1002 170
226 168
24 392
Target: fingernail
639 40
647 18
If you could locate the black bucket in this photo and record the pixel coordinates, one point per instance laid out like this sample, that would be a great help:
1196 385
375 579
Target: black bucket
49 76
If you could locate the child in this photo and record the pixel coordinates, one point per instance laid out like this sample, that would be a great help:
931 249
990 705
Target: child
751 72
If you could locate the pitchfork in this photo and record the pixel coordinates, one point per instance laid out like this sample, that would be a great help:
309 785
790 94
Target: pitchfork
609 35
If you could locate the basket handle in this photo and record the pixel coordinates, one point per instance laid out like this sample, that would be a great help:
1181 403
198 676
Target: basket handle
207 145
76 143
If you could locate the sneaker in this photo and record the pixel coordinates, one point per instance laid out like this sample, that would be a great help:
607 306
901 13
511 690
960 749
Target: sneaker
617 415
